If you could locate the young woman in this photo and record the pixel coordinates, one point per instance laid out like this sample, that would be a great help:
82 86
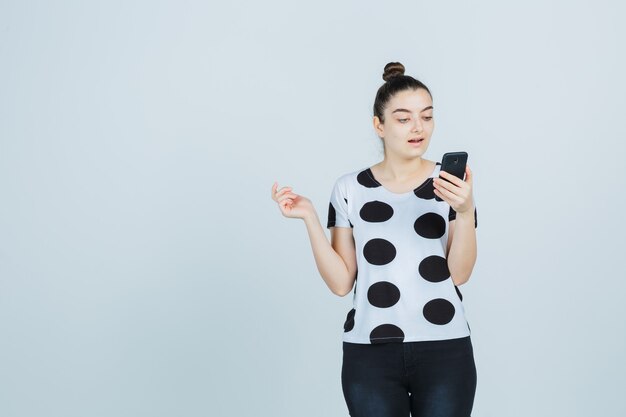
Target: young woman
406 341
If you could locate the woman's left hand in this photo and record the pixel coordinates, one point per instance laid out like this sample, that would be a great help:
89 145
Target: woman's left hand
458 193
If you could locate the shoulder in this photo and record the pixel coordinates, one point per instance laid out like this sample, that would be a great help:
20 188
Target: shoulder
354 173
351 178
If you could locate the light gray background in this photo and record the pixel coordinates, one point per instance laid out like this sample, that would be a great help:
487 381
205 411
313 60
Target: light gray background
145 270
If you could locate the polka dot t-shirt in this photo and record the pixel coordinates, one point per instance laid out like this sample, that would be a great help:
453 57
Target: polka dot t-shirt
403 290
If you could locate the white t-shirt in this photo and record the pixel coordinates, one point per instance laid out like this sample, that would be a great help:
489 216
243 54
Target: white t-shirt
403 290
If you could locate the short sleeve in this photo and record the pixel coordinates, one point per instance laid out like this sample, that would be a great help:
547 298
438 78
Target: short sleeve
338 206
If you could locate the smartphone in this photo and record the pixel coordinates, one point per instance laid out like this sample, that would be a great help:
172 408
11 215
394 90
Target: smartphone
453 163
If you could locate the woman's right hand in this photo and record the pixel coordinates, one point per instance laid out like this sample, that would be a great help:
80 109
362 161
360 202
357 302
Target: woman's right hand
291 204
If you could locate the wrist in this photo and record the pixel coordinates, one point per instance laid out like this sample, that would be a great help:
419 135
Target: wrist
310 217
468 214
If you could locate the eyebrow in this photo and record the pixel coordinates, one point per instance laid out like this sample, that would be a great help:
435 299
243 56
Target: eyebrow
409 111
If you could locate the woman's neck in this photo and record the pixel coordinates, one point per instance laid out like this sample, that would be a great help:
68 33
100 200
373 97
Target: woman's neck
403 170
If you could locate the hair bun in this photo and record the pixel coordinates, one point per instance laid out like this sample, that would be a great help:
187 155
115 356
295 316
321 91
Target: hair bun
393 69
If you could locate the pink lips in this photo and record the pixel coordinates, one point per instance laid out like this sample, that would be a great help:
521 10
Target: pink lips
416 141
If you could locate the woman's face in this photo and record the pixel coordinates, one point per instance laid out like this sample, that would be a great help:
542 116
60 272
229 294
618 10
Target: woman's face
408 115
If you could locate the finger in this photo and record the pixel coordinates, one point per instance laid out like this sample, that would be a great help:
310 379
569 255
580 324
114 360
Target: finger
452 178
288 196
440 195
283 198
286 203
437 189
275 186
449 196
457 186
284 190
443 184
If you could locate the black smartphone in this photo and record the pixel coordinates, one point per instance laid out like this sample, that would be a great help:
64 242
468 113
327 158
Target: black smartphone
453 163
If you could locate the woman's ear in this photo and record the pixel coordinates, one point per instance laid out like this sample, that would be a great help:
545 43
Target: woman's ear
379 127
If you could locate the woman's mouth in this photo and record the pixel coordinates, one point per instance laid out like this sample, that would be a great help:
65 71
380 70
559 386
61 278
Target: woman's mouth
416 142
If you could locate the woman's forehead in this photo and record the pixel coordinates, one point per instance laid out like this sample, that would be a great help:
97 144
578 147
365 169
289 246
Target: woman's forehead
411 100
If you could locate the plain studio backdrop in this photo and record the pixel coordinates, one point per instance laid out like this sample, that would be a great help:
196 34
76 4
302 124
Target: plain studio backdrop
146 271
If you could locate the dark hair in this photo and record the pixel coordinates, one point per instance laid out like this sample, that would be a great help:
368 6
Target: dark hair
395 81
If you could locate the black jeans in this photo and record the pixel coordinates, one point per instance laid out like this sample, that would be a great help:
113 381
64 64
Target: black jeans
433 378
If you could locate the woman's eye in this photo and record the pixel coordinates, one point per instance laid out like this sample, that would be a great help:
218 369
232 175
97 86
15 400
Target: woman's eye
404 120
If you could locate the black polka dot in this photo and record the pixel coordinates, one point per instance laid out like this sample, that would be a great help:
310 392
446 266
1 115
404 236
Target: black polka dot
386 333
458 292
376 211
434 268
366 179
379 251
383 294
349 323
430 225
438 311
427 191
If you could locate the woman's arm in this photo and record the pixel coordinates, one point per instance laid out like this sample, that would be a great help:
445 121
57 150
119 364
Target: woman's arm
336 261
462 252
